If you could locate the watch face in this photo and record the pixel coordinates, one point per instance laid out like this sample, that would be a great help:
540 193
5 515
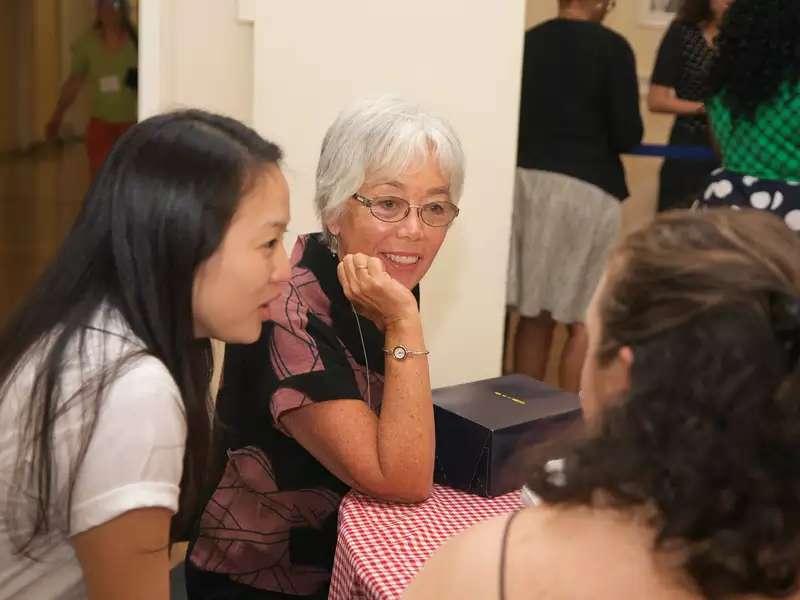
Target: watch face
399 352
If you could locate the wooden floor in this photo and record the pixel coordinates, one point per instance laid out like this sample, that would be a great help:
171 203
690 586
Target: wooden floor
41 192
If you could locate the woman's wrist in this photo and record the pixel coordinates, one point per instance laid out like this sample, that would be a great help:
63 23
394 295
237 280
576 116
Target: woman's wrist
406 331
404 318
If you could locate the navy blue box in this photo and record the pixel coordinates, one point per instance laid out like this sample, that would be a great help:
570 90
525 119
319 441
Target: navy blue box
490 432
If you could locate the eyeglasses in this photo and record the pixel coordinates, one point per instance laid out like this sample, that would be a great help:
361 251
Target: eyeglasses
391 210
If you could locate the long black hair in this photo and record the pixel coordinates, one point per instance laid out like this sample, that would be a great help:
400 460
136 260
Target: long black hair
158 208
695 11
758 50
708 433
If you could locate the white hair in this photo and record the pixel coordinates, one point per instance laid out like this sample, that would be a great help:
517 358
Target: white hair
382 137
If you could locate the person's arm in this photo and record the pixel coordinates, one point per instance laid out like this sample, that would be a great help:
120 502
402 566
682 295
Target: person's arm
127 485
662 99
626 127
388 456
127 558
69 92
79 70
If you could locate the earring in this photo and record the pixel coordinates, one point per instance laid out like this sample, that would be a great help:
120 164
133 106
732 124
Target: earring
333 244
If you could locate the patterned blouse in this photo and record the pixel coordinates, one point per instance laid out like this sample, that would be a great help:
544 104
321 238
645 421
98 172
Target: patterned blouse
683 63
271 522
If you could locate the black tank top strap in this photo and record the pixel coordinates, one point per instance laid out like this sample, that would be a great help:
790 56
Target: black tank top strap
504 552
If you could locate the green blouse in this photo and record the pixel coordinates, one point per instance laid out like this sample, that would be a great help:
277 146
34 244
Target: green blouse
106 71
767 146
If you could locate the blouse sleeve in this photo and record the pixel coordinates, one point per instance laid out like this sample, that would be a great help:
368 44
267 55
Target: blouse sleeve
308 361
625 119
135 455
668 60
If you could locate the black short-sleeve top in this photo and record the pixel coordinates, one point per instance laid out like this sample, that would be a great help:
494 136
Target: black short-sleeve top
683 63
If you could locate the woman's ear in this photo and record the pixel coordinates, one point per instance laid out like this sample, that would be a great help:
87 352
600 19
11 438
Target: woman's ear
620 370
332 225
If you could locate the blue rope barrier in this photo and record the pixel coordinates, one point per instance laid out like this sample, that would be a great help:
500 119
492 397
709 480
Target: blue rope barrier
680 152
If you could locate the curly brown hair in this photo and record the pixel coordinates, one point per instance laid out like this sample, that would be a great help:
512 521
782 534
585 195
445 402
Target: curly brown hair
708 432
758 51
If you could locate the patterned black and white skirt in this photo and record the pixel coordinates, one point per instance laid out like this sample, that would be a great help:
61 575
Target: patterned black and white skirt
727 188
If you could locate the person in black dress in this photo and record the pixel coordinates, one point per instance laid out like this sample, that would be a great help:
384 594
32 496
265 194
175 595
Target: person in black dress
678 86
579 110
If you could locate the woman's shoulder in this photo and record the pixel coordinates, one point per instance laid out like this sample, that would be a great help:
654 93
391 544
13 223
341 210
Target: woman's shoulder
610 43
465 566
545 547
88 40
681 29
312 262
106 351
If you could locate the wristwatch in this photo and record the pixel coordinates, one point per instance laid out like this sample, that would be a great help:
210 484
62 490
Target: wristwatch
401 352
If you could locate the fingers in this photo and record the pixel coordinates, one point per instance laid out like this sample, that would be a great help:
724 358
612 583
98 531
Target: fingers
353 271
362 277
374 268
344 279
360 268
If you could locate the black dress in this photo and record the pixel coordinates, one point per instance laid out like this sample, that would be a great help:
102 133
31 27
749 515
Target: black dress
683 62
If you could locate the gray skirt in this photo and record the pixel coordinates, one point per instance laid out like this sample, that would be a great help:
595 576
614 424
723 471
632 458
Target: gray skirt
561 233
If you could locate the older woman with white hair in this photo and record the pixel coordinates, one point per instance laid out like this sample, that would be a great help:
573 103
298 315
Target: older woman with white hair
336 393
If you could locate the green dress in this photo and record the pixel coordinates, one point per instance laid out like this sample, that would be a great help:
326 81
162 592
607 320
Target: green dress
106 72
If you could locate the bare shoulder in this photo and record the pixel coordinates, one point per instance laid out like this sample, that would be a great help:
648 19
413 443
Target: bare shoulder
468 564
552 552
465 566
585 552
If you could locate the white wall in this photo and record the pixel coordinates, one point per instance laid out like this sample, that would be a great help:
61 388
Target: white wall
195 53
461 59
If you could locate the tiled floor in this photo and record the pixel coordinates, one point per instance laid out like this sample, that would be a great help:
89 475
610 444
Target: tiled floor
41 191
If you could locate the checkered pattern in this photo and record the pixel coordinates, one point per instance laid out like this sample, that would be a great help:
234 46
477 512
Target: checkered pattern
767 146
381 546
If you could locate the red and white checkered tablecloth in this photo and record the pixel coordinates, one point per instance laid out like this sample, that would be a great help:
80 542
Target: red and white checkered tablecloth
381 546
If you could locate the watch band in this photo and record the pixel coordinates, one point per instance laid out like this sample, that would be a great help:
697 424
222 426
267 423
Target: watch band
400 352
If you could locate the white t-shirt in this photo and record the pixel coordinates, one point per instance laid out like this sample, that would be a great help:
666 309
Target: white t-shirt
134 458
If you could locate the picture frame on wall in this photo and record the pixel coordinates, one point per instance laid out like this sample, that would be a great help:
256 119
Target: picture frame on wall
658 13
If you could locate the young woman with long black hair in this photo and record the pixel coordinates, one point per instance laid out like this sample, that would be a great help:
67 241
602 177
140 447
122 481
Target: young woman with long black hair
105 368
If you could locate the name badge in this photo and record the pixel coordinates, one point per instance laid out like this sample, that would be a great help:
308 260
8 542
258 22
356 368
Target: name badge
110 84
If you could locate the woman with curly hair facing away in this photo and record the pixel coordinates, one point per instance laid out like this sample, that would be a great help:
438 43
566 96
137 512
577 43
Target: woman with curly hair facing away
686 485
755 109
678 86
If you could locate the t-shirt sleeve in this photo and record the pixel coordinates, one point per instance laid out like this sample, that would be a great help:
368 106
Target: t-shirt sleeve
625 120
80 57
308 361
668 60
135 455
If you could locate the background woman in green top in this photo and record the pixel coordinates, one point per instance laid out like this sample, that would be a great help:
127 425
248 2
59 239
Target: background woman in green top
106 58
755 109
